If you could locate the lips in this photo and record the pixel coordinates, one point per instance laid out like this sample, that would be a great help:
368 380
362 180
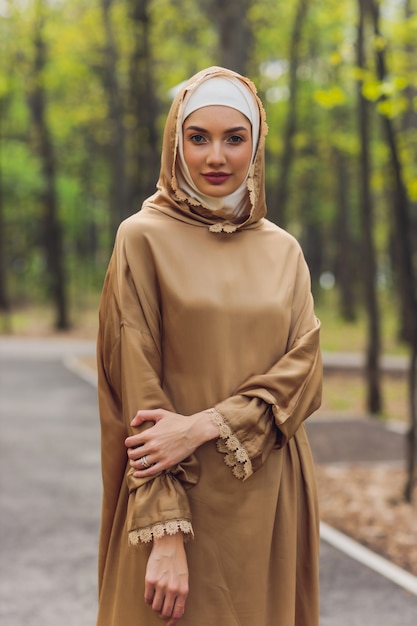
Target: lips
216 178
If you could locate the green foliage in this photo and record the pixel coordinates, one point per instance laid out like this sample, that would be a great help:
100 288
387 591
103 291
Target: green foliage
20 174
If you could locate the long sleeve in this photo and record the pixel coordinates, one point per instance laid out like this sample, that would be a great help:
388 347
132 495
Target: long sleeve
267 409
130 378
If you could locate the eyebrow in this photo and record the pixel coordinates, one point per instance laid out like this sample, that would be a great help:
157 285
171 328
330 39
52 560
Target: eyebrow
235 129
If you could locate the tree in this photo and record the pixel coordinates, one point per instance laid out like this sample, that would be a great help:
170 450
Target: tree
142 106
373 374
345 245
119 207
286 158
233 27
52 232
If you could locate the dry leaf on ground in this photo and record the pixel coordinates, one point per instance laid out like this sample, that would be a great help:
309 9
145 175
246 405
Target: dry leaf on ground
366 503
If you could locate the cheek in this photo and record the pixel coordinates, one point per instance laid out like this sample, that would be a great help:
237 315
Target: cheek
190 156
245 158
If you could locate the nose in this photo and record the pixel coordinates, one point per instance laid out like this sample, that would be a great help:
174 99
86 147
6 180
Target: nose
215 155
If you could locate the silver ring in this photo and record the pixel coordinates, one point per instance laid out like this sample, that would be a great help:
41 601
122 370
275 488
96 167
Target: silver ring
144 462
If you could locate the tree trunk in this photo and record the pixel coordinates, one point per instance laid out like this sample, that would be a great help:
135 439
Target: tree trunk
374 402
408 126
311 237
53 239
235 34
144 157
344 262
117 150
407 274
279 207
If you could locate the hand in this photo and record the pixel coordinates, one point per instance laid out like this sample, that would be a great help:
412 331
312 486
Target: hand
166 579
170 440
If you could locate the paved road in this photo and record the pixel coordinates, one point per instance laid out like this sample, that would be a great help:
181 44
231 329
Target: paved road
49 494
50 504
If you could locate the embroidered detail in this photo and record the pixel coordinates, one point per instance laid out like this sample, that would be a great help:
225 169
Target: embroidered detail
235 455
229 228
215 228
225 227
251 186
182 196
172 527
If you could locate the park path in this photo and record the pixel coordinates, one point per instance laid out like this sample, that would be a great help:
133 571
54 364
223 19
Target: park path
50 498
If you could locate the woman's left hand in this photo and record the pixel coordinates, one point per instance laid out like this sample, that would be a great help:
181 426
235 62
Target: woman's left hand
170 440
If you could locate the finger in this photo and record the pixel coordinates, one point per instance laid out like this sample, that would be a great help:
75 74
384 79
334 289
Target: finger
158 601
151 415
157 468
178 608
169 601
149 593
134 441
136 452
144 462
177 612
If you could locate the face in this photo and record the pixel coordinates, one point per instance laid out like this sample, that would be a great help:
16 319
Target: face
217 149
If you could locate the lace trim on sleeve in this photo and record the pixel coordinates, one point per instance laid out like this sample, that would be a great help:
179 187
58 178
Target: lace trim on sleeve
236 457
156 531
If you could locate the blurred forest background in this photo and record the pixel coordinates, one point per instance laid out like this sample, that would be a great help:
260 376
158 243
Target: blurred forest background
85 86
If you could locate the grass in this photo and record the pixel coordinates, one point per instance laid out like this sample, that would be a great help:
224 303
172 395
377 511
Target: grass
38 321
346 394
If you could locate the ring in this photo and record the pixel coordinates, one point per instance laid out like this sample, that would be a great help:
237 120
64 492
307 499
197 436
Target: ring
144 462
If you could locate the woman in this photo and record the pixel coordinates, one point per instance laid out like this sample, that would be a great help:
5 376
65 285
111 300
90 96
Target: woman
209 364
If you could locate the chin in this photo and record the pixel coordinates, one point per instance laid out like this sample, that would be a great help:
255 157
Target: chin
217 192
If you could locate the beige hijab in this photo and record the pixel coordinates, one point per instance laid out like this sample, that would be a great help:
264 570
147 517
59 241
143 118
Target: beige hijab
172 198
229 92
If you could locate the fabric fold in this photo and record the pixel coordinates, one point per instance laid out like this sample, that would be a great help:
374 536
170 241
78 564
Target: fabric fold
129 360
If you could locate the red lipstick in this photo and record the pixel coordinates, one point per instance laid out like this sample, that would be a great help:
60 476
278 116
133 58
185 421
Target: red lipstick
216 178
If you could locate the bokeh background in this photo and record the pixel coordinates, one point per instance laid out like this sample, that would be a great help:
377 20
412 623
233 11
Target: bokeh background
85 86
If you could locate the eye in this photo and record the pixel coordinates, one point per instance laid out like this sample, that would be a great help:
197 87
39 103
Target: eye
235 139
197 139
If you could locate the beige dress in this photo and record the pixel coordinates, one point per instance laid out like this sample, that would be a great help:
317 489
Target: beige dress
199 313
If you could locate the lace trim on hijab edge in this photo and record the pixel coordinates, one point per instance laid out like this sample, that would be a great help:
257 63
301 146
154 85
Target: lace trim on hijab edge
158 530
225 226
217 227
236 457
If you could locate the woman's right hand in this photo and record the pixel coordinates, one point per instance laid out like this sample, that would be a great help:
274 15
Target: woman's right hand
166 579
171 438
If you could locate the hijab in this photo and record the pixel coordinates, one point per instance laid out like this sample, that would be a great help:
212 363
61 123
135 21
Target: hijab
178 196
229 92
